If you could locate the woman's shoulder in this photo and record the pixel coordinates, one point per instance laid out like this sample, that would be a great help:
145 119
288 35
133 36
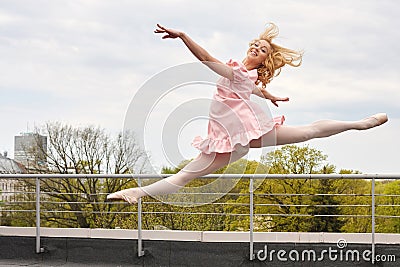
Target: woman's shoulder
241 72
235 63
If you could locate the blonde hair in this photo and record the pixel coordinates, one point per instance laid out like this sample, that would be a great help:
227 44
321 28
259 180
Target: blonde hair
277 58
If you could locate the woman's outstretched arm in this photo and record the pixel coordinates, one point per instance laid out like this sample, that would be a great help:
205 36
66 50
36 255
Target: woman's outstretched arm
261 92
199 52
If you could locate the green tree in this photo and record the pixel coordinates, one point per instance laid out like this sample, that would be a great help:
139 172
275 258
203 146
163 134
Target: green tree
325 206
388 207
84 150
297 204
356 198
239 201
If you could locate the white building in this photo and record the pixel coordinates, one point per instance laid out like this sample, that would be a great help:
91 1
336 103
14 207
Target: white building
8 187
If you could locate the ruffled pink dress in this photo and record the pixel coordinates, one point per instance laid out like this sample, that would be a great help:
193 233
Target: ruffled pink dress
233 118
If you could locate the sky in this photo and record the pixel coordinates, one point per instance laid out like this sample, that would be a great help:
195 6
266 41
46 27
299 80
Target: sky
82 62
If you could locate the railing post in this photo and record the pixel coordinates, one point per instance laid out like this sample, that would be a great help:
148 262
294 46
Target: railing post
373 220
38 248
140 245
251 219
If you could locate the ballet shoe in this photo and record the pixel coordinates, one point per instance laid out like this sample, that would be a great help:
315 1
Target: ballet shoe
125 195
380 118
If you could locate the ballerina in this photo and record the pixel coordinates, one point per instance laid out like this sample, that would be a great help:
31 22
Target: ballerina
237 124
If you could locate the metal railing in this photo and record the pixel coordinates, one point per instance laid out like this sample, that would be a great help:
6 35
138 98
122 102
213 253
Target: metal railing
251 205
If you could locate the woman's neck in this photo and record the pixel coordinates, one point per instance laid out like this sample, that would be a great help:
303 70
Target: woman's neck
248 64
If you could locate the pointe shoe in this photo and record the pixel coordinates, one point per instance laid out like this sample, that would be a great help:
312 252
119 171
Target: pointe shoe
125 195
380 118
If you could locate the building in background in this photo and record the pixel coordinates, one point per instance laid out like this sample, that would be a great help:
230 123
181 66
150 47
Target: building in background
30 149
8 165
8 187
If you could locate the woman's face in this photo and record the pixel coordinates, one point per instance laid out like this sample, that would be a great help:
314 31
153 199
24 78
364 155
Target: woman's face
258 52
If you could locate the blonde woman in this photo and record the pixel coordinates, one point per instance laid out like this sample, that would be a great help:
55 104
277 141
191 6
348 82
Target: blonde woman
236 123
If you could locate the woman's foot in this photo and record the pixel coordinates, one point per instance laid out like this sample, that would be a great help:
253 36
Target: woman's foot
128 195
381 118
373 121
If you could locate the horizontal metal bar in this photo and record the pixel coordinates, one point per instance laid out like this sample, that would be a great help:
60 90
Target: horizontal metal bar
15 203
162 212
210 176
120 203
310 215
209 193
200 213
387 216
198 203
311 195
307 205
106 193
18 192
17 210
83 195
88 212
214 213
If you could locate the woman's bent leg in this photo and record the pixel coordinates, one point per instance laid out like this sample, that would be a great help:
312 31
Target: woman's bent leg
202 165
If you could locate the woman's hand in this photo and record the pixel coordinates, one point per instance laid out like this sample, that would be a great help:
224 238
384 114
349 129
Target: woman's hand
275 99
261 92
170 33
199 52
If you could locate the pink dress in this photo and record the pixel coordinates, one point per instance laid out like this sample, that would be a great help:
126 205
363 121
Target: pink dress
233 118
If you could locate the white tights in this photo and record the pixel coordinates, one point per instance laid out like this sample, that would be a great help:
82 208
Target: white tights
205 164
202 165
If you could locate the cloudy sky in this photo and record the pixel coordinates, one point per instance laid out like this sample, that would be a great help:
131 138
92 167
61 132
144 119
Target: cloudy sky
82 61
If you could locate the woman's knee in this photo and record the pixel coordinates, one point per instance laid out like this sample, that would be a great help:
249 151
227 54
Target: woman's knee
295 134
240 151
200 163
310 132
268 139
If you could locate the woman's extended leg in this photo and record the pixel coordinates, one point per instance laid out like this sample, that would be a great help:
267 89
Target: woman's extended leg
203 164
319 129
